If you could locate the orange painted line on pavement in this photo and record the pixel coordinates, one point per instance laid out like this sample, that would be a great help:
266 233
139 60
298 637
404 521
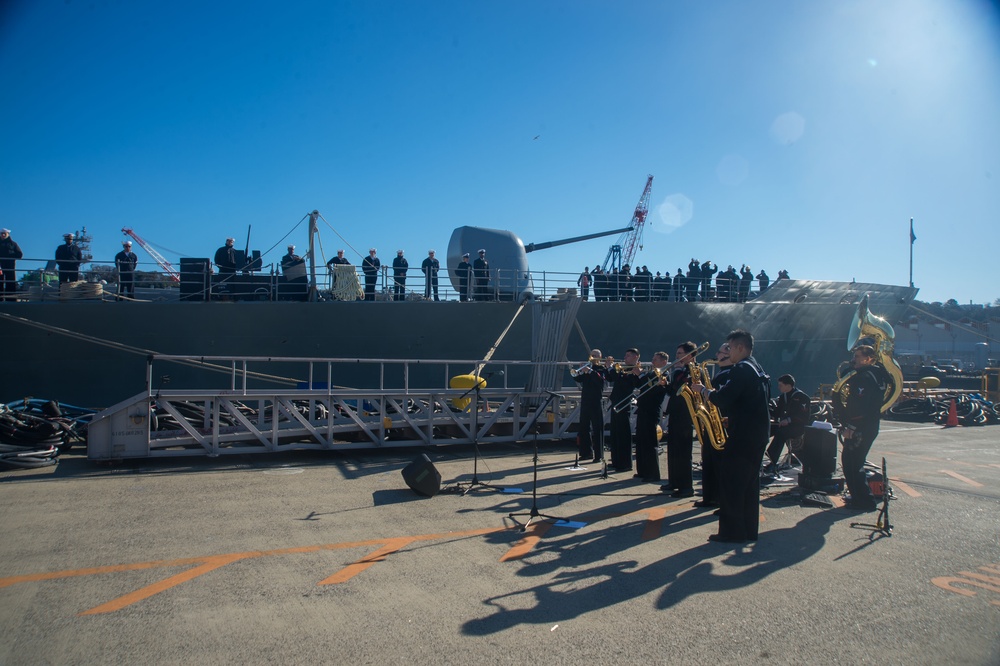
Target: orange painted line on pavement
352 570
654 522
527 542
896 483
211 564
963 479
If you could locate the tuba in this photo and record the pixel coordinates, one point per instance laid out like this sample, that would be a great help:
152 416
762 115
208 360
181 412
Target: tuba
867 325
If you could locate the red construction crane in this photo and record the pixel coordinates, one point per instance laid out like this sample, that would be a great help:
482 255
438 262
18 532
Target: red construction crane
168 269
623 252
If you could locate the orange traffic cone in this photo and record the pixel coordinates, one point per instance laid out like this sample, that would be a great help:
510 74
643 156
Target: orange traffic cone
952 421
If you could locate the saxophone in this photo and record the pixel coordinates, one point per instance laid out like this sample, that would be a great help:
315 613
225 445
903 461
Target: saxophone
867 325
704 415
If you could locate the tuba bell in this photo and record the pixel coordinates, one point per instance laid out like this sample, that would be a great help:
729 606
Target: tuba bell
867 325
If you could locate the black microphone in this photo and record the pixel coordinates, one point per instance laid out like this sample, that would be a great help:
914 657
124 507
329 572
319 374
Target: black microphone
556 395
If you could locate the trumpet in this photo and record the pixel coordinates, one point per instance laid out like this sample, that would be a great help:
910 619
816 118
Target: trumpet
573 372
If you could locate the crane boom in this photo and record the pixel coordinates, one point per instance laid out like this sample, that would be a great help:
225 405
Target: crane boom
167 267
623 252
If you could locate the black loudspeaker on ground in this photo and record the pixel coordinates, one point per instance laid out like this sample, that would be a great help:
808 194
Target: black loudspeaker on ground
422 477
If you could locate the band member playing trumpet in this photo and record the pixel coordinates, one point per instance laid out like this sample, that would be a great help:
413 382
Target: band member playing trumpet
652 386
744 401
590 433
624 379
680 430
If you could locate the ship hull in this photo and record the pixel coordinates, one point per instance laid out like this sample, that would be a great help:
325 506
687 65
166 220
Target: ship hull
94 354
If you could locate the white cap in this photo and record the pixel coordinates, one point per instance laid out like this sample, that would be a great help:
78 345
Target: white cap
399 252
127 243
371 249
430 251
7 231
291 247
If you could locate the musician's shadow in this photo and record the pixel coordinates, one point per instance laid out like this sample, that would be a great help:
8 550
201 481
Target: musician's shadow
577 589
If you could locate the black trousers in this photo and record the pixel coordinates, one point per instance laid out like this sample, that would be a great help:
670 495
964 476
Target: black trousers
781 437
739 495
646 464
591 431
621 440
8 285
370 287
852 461
709 474
126 286
680 443
399 289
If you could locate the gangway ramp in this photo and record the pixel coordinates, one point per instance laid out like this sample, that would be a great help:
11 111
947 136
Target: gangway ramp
238 419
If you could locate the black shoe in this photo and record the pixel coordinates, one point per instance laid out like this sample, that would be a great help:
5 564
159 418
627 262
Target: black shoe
718 538
681 494
666 488
702 504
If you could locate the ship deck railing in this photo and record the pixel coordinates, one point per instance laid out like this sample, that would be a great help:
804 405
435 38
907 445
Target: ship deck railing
38 282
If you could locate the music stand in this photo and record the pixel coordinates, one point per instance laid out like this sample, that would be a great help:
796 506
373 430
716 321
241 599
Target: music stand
534 513
881 524
475 482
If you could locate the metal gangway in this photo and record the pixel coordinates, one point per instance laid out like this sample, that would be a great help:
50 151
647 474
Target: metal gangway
249 405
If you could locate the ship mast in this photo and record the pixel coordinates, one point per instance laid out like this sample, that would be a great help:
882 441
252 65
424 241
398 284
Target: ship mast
313 292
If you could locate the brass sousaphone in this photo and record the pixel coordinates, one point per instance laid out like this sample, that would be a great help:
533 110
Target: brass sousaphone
869 328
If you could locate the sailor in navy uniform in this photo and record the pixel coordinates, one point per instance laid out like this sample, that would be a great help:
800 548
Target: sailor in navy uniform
430 268
68 260
125 262
592 380
464 273
680 429
370 266
791 414
399 267
744 401
623 383
653 389
860 418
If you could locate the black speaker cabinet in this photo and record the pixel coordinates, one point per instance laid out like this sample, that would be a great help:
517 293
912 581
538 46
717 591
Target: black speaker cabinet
819 452
422 477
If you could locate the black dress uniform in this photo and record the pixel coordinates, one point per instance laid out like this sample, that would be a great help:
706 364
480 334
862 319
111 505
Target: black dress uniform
680 436
793 406
623 384
647 417
866 390
591 428
744 401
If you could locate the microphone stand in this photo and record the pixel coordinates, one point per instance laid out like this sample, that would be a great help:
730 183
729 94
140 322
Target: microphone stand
475 442
534 513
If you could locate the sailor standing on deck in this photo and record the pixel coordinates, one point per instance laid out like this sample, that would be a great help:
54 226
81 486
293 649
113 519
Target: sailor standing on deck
68 260
430 268
481 268
464 272
10 252
399 267
225 258
125 262
370 266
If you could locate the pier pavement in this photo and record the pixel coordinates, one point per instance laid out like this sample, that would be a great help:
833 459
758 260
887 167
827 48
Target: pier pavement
329 558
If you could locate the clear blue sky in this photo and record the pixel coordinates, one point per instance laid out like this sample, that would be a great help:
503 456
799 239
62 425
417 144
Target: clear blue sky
781 133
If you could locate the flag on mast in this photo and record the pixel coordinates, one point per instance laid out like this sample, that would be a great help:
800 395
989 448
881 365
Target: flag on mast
913 236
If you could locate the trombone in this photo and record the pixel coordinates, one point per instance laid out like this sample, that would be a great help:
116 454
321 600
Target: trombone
626 402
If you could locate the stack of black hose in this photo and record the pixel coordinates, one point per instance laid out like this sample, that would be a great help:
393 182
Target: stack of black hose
34 432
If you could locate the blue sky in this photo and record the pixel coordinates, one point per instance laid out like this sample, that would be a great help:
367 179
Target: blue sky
793 134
